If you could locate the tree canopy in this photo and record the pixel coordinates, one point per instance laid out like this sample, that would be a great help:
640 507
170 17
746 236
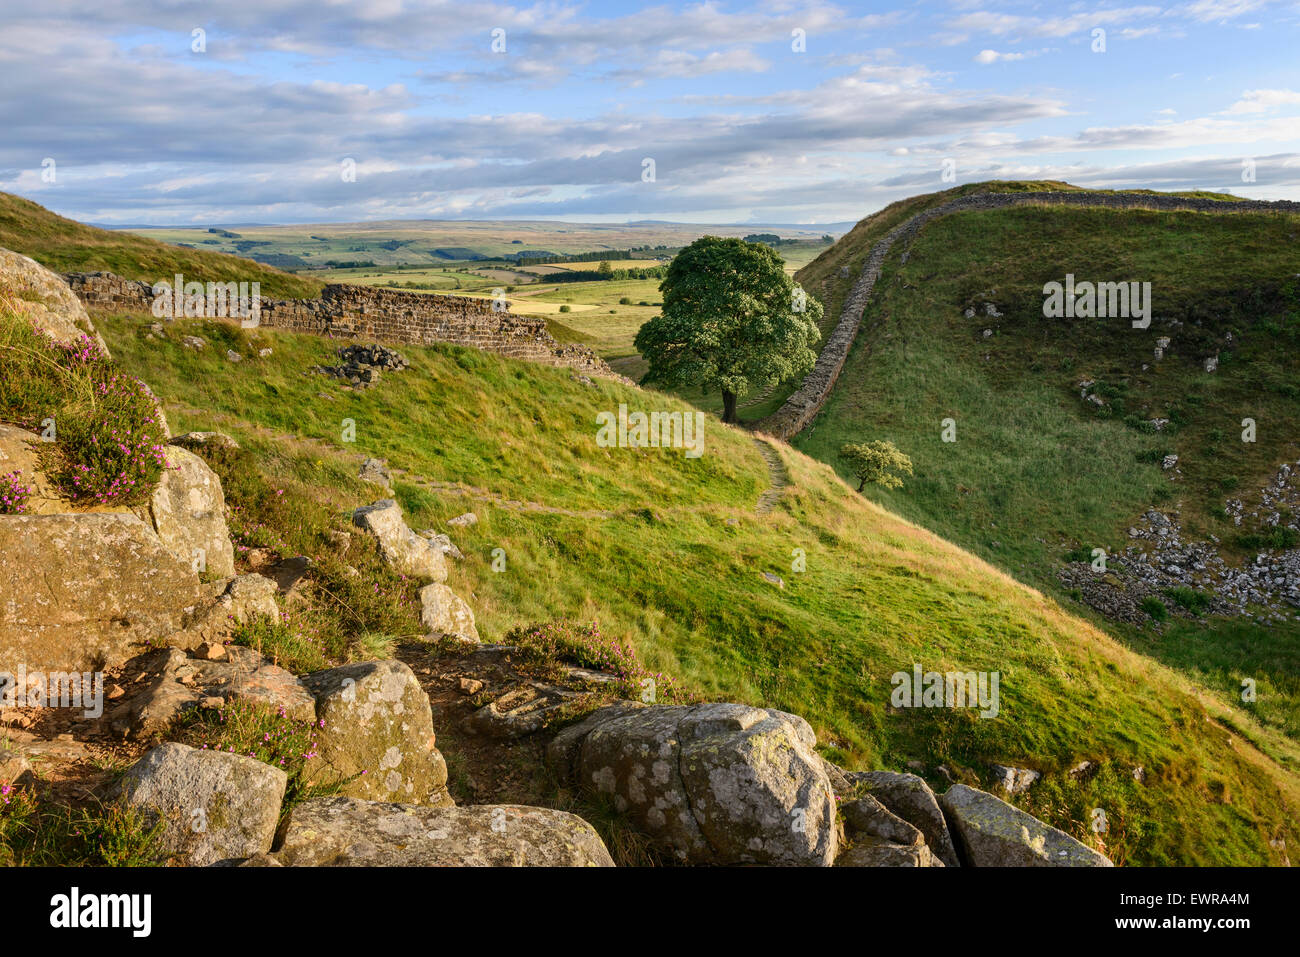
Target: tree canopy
876 462
732 320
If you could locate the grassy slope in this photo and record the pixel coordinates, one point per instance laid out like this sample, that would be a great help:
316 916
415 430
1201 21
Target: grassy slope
67 246
667 570
1006 488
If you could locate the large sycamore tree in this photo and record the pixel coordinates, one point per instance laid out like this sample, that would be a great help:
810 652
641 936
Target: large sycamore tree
732 320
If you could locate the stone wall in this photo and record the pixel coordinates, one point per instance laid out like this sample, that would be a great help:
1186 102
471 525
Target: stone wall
383 315
802 407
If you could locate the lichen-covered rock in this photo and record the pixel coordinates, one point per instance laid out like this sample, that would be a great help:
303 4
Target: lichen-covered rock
403 550
908 796
865 816
188 512
345 832
214 806
445 614
85 591
882 854
45 298
375 735
712 783
991 833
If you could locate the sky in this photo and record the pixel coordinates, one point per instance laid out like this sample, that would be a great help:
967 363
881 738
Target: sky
171 112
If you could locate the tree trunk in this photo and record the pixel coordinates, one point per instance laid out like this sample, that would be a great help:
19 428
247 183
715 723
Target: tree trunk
728 406
862 485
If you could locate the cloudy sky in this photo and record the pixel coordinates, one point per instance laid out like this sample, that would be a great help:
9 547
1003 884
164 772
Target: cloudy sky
241 111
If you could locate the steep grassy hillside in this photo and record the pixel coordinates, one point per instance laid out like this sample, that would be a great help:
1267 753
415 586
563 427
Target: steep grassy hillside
671 552
1038 473
68 246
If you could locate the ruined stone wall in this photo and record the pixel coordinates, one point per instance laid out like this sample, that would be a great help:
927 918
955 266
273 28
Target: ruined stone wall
802 407
382 315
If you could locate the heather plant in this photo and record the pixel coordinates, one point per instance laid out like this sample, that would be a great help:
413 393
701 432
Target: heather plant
585 645
108 438
13 494
261 732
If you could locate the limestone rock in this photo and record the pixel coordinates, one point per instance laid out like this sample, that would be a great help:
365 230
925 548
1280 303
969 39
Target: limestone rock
712 783
992 833
376 471
443 543
84 591
188 512
444 613
45 298
1014 780
345 832
461 521
376 735
403 550
214 806
908 796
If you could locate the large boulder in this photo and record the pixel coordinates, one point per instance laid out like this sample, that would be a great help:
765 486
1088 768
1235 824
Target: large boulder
213 806
445 614
403 550
83 591
375 737
992 833
45 298
909 797
879 854
188 512
711 783
345 832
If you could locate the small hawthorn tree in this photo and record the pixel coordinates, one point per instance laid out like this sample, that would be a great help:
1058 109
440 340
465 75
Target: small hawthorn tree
877 462
731 320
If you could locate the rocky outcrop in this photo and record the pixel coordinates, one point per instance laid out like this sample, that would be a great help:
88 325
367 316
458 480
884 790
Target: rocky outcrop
188 512
83 591
345 832
177 683
213 806
375 738
401 549
992 833
710 783
45 298
910 798
445 614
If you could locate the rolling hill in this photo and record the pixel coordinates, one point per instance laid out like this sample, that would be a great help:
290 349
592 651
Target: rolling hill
68 246
751 573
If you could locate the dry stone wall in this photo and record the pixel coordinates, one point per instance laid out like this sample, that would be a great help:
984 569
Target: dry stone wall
365 312
802 407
